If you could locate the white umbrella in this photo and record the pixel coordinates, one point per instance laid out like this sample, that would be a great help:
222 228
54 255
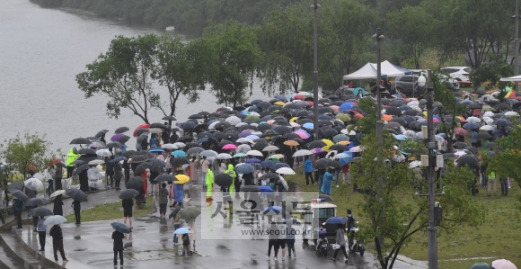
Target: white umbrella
302 152
224 156
415 164
103 153
503 264
244 140
179 145
53 220
285 171
34 184
254 153
96 162
233 120
208 153
243 148
486 128
169 146
511 114
270 148
56 193
474 119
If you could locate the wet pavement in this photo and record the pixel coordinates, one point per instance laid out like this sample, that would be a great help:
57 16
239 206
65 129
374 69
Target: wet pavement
89 245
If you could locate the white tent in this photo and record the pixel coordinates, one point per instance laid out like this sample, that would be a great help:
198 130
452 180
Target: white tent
514 78
368 71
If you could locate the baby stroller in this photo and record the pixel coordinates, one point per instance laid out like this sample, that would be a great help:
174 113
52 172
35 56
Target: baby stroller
322 246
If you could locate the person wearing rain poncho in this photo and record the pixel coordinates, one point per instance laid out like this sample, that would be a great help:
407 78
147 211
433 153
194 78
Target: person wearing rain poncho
71 157
209 183
326 181
230 170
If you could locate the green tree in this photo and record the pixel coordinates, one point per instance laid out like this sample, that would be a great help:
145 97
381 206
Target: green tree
24 154
394 211
508 155
123 74
232 60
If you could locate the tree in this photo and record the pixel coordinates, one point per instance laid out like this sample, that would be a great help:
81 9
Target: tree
123 74
176 71
23 154
233 57
395 213
508 155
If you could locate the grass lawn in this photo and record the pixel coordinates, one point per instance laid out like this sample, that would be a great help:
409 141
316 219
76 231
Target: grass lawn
498 237
110 211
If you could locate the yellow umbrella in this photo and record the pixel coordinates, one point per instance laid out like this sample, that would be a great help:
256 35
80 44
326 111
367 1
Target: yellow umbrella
291 143
279 103
328 142
294 119
344 142
276 156
181 179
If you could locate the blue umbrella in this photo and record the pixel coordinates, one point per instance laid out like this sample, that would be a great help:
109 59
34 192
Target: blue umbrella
244 168
118 159
344 157
267 164
265 188
336 220
157 151
308 125
182 230
252 160
279 165
471 126
400 137
179 153
272 210
121 227
346 106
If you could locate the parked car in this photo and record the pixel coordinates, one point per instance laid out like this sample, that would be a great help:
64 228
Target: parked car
408 85
459 73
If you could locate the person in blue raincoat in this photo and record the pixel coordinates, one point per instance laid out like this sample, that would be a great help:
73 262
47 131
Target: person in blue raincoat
326 181
178 194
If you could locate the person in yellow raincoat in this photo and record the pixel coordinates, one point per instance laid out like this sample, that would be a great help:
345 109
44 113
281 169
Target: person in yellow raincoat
230 170
71 157
209 183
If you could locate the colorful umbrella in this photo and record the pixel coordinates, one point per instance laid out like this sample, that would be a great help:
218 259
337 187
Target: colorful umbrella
182 230
229 147
181 179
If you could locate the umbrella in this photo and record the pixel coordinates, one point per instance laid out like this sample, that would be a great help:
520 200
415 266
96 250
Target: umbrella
336 220
316 144
103 153
121 130
128 194
223 180
76 195
460 145
285 171
36 201
54 220
270 175
272 210
244 168
118 159
190 213
415 164
179 161
120 227
165 178
135 182
18 185
79 140
302 152
157 151
86 151
194 150
480 265
270 148
229 147
291 143
265 189
503 264
181 179
469 160
250 188
252 160
224 156
19 195
325 197
471 126
179 153
34 184
40 212
460 131
142 167
182 230
208 153
56 193
156 165
254 153
96 162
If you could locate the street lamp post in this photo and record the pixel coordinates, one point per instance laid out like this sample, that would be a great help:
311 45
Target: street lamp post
315 6
431 146
516 44
379 122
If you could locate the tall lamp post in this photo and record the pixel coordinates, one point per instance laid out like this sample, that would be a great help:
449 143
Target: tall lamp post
431 147
516 44
379 122
315 6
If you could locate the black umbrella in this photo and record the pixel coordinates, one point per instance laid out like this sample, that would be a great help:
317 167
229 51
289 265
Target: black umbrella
503 122
158 125
338 147
175 211
86 151
18 185
123 139
324 163
114 145
121 130
169 118
315 144
36 201
40 212
79 141
118 159
139 158
20 195
190 213
270 175
80 169
76 195
120 227
489 145
128 194
460 145
135 183
223 180
101 133
469 160
140 132
156 165
141 168
165 178
178 161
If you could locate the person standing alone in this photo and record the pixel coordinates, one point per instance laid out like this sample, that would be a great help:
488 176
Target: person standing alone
57 242
118 247
42 232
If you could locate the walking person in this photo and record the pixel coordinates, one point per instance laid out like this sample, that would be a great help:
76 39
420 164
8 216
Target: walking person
57 242
209 183
118 236
308 170
76 205
340 240
58 205
290 241
186 245
273 241
127 205
18 207
163 200
42 232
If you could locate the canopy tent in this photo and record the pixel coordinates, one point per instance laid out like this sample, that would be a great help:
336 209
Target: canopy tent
513 79
369 70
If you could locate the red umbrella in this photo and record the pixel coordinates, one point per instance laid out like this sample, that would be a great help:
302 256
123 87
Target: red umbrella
56 161
460 131
141 126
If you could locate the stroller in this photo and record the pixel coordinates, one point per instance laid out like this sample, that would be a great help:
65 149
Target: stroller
322 245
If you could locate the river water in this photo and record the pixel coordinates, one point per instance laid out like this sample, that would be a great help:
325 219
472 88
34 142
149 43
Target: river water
41 51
